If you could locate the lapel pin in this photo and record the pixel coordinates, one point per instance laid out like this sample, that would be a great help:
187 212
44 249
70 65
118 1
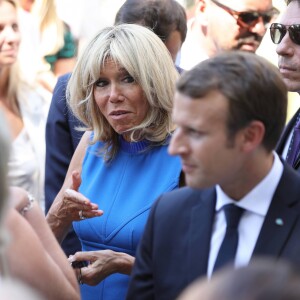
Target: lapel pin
279 222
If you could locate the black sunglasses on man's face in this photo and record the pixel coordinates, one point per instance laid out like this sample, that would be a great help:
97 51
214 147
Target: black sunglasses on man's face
278 31
249 18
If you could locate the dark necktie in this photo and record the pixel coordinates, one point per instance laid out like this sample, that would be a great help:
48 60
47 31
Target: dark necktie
295 144
229 245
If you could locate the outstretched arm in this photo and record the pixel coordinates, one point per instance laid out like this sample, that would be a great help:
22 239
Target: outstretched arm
35 257
69 205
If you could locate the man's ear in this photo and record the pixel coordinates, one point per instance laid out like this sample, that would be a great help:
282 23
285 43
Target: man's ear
200 8
252 136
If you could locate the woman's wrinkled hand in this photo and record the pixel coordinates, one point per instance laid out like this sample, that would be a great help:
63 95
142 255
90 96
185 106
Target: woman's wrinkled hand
101 264
75 206
70 206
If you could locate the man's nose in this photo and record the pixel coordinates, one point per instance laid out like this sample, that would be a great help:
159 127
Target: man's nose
177 145
286 46
259 27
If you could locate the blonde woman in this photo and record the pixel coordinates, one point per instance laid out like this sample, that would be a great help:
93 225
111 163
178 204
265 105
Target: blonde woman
122 90
58 46
25 107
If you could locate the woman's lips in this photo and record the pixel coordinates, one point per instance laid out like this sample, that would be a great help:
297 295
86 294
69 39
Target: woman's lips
118 114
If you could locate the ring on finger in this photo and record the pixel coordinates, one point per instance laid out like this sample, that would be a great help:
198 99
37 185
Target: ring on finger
81 216
80 277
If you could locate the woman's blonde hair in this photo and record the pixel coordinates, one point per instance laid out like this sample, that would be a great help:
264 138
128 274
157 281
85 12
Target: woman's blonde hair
147 60
51 26
11 78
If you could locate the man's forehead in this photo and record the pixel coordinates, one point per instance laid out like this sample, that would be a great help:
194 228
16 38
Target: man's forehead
249 5
291 15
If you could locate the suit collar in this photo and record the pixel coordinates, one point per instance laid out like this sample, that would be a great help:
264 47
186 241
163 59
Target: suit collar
200 229
285 134
281 216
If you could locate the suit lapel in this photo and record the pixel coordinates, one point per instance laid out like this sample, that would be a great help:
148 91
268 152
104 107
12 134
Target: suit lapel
280 218
286 132
201 222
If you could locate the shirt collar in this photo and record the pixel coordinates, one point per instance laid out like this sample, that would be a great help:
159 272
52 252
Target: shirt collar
259 198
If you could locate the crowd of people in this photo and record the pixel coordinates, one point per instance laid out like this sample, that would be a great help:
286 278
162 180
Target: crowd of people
155 163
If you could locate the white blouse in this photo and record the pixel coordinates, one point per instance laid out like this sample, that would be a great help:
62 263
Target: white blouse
23 168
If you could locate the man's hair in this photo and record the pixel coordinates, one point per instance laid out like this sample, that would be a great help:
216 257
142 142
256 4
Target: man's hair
263 279
147 60
253 87
289 1
161 16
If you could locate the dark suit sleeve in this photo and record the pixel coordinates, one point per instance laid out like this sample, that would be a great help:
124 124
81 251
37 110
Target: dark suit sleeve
59 147
141 284
61 141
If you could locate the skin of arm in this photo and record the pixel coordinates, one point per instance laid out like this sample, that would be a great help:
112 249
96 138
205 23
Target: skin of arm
68 202
37 259
36 219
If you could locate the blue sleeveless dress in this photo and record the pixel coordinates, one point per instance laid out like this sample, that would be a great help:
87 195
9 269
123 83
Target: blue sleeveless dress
125 190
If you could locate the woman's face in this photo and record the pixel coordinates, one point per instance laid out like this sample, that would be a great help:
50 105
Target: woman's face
9 34
120 99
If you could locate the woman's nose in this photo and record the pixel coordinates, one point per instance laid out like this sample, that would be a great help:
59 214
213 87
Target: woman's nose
9 34
115 93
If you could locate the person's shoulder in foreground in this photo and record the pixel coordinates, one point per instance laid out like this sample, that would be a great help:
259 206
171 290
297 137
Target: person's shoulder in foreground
265 278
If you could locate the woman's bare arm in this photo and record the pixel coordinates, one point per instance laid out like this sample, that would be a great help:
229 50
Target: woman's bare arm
35 257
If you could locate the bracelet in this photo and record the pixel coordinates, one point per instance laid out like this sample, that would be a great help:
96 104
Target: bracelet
29 205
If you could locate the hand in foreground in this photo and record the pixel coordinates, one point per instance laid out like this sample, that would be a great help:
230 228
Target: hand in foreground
101 264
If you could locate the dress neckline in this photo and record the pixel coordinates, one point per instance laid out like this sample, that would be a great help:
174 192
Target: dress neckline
133 147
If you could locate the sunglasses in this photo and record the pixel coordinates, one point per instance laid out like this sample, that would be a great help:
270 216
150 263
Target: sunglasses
249 18
278 31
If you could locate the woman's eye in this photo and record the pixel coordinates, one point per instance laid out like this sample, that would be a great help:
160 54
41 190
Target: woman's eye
101 83
128 79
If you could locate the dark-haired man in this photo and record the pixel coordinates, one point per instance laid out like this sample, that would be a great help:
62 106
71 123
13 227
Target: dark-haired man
286 34
242 201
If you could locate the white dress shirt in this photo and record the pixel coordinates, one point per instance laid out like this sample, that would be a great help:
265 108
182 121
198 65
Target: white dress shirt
256 204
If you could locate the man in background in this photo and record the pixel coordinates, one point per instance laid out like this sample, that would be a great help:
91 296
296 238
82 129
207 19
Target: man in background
286 34
220 25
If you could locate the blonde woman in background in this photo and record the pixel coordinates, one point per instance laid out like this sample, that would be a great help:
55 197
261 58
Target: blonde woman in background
25 107
58 46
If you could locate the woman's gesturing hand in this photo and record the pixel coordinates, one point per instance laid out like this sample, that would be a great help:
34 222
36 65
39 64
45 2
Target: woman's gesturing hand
69 206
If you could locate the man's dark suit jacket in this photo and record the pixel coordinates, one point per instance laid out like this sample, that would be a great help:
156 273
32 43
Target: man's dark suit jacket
175 246
62 139
284 137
